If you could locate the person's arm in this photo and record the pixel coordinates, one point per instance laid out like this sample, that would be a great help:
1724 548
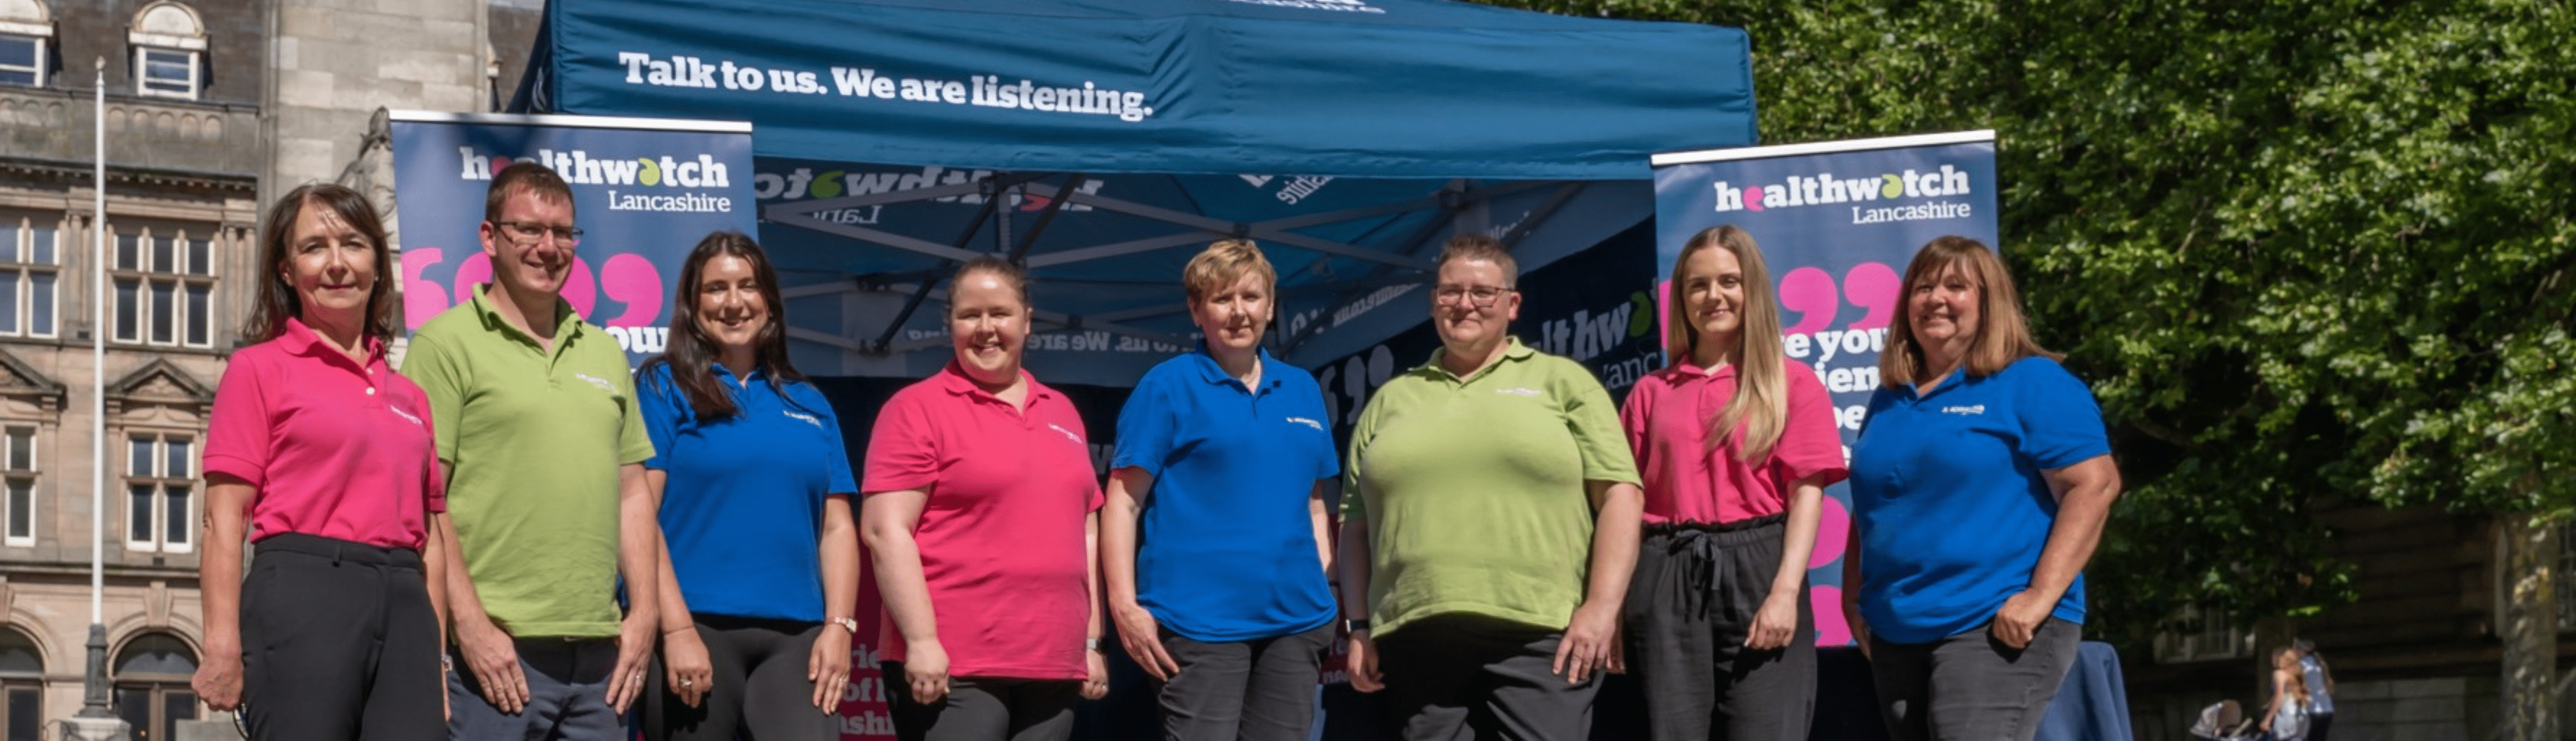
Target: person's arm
2084 492
639 562
1354 561
1323 525
1137 630
219 581
829 665
886 521
2280 693
1851 593
1618 521
489 651
1095 684
1775 624
685 664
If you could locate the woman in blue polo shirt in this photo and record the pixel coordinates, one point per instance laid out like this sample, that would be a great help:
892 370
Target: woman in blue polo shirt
1213 542
1979 488
763 555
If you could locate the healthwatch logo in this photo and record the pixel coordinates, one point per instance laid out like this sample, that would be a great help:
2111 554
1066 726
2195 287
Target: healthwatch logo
1824 189
579 168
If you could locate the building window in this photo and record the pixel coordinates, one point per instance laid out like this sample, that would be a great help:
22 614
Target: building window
22 687
160 484
2202 633
18 485
166 72
30 275
152 693
169 51
164 288
22 60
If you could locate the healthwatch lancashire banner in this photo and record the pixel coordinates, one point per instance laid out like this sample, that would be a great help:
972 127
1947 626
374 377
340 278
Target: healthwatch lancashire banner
644 192
1837 222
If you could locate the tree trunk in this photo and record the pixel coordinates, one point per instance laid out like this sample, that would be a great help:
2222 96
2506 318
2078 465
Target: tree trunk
2529 628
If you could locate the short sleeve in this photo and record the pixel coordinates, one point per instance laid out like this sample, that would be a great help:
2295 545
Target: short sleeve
1595 424
434 477
1809 444
1328 460
838 465
432 366
903 448
663 404
634 445
1146 425
237 433
1097 497
1633 414
2061 425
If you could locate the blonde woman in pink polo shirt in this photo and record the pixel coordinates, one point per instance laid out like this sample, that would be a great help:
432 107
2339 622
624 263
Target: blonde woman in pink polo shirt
1736 445
328 457
982 513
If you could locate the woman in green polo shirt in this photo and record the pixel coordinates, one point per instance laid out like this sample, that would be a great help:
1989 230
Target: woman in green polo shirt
1490 522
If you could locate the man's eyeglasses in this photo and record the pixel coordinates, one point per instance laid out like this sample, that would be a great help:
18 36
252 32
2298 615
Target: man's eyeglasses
530 231
1481 297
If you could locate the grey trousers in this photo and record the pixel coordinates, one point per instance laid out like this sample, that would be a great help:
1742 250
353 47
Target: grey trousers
1458 677
1690 607
567 695
1970 686
984 709
1258 690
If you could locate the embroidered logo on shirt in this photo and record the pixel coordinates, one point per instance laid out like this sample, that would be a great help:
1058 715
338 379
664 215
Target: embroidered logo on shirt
1068 434
1978 409
1319 426
1519 392
602 383
398 412
807 418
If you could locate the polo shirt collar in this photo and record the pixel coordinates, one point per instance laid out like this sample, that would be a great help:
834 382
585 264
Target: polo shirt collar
953 379
1512 351
1215 374
567 323
1690 369
300 339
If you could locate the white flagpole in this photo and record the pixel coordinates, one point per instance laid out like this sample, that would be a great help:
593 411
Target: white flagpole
94 702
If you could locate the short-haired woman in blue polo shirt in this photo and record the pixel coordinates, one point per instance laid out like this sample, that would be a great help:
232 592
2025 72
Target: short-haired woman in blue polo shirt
1980 485
762 556
1213 541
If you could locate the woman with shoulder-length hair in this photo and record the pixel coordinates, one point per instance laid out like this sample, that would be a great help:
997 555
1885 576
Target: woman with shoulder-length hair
761 554
982 513
328 457
1980 486
1736 444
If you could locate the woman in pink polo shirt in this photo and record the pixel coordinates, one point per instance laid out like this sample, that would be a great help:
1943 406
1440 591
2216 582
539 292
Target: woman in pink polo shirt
328 456
1736 445
982 512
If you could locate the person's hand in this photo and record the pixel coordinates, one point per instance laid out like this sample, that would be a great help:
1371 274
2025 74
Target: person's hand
494 660
1776 623
2019 619
828 667
1587 643
1859 626
1618 652
925 670
686 666
219 679
1361 664
1143 639
1095 683
634 654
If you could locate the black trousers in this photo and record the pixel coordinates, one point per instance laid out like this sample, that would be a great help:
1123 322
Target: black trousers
984 709
339 642
759 688
1457 677
1970 686
1690 607
1258 690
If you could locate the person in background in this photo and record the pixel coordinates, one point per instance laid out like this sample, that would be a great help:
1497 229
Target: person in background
1489 524
540 431
761 558
981 510
329 458
2287 717
2321 685
1736 444
1215 508
1980 485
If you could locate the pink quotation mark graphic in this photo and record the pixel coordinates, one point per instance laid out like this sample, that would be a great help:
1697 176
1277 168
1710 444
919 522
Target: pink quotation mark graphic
628 279
1810 293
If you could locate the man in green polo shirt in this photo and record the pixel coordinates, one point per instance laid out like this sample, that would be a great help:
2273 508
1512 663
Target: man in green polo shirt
1490 521
544 448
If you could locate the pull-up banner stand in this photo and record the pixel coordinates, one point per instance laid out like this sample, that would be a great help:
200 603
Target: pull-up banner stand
1837 223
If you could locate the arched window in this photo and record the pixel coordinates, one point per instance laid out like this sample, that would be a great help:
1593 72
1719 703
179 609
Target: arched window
22 687
152 693
169 51
26 35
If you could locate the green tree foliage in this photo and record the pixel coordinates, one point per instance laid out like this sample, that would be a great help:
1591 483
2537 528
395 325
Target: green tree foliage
2306 251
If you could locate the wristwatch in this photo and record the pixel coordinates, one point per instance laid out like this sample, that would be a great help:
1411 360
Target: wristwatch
1091 644
847 623
1354 625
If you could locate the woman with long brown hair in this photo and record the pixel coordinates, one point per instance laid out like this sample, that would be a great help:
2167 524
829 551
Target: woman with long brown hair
329 459
1736 444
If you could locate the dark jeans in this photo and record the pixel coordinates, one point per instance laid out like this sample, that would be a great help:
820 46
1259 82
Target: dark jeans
1970 687
1258 690
984 709
338 642
567 695
1457 677
1689 609
758 690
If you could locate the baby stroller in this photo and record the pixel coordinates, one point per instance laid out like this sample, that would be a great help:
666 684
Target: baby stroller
2225 721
